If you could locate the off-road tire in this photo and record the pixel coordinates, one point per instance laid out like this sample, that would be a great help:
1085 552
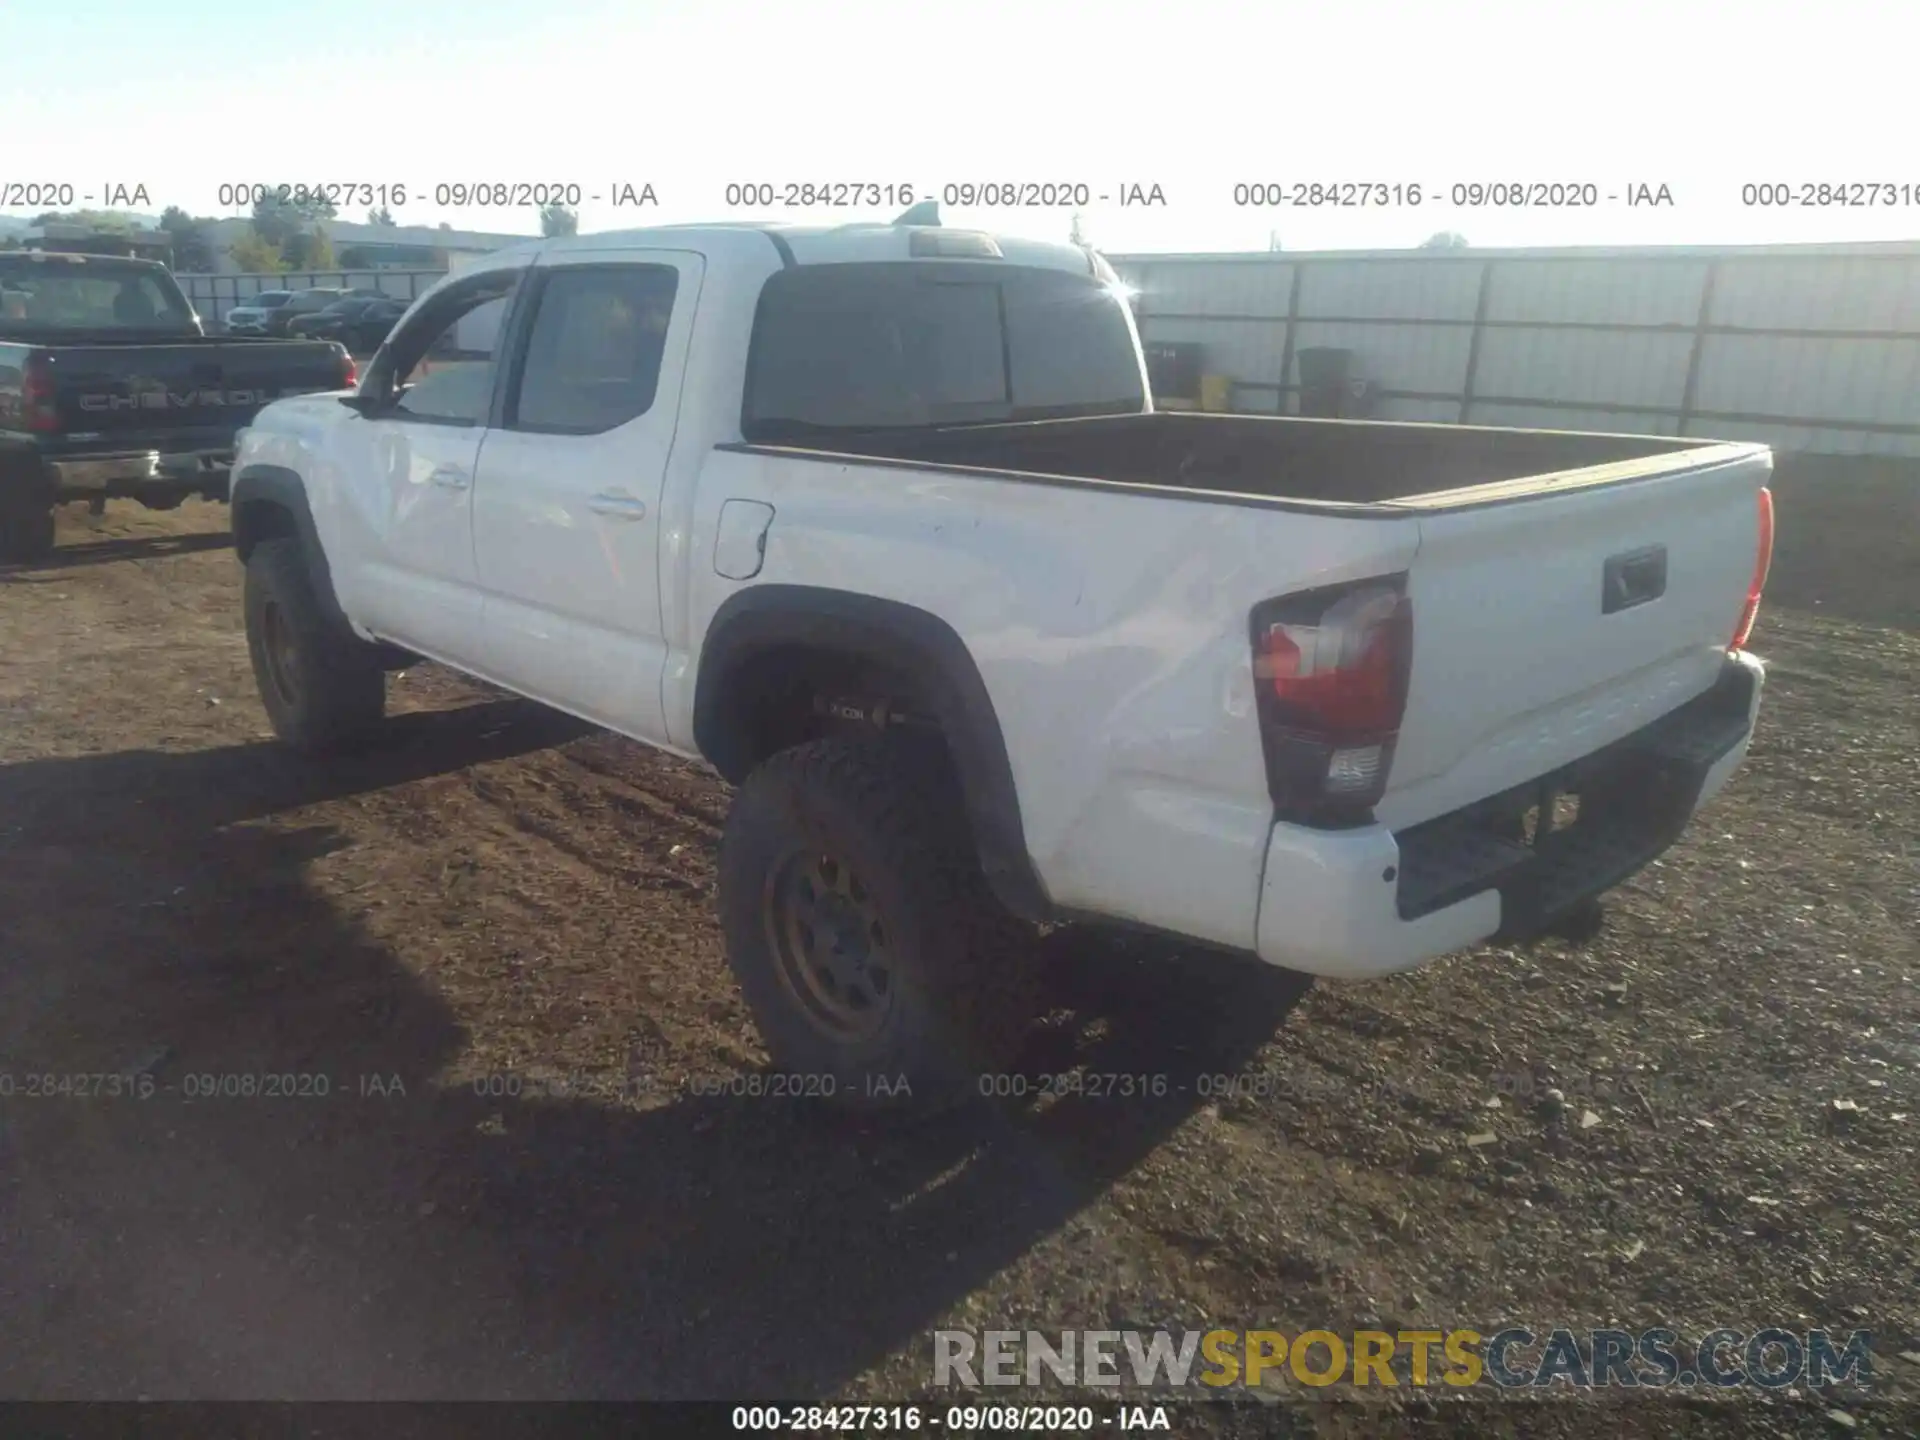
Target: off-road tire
322 686
26 528
963 984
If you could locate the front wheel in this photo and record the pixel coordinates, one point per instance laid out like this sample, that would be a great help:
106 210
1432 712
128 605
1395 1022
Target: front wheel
322 687
879 966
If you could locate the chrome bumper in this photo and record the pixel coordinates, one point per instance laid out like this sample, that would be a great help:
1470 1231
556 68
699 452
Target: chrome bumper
98 474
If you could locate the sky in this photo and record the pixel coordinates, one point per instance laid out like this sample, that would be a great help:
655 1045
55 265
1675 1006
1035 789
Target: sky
1702 97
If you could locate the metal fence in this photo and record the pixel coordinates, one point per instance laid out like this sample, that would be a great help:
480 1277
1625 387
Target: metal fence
214 295
1805 348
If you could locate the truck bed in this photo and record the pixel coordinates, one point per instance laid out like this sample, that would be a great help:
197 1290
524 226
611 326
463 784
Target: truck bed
1275 457
1567 588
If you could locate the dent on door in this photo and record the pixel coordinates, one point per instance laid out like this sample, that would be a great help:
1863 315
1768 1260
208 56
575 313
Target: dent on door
740 545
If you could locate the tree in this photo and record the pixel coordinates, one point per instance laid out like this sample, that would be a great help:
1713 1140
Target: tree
558 220
278 216
192 250
308 250
355 258
381 216
1078 234
254 255
103 222
103 232
1444 240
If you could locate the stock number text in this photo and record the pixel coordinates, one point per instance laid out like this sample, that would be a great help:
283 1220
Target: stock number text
1845 194
332 192
1338 194
834 194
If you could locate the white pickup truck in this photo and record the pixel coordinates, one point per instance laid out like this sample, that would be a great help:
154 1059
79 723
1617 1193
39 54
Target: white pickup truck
881 522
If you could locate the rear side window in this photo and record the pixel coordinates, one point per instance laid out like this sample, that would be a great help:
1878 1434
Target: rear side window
90 295
594 348
920 343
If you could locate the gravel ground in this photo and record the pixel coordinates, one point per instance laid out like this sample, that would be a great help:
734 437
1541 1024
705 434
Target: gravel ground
492 945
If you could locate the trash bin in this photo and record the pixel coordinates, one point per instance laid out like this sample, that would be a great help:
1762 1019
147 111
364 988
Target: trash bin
1326 376
1173 369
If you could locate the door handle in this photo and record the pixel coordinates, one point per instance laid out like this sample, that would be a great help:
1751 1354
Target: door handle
617 505
450 477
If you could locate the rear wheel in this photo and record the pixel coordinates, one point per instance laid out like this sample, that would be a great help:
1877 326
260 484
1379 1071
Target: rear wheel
322 686
879 966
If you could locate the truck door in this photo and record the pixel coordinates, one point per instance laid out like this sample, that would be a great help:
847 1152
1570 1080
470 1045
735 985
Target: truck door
568 495
407 470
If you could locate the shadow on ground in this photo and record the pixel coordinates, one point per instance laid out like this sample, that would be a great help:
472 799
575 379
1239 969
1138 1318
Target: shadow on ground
133 547
445 1243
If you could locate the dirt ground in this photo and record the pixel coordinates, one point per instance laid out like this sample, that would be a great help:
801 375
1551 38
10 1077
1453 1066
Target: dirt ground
483 964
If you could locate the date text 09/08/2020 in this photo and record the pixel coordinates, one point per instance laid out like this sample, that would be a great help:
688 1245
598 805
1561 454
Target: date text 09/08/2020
1459 195
1004 194
957 1419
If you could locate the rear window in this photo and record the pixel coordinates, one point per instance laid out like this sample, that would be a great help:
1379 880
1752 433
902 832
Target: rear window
268 299
90 295
921 343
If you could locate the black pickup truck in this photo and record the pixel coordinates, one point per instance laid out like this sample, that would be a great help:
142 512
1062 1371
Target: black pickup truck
110 388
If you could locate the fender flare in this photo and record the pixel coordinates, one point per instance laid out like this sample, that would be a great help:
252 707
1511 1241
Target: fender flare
912 641
259 488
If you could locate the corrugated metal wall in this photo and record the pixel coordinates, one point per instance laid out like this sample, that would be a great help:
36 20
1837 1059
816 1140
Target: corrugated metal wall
1813 348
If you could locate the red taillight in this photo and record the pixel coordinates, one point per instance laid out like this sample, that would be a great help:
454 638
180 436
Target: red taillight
37 408
1762 562
349 371
1331 667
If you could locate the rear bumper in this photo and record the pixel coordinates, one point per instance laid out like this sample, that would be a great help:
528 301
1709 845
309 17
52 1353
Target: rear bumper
139 470
1351 904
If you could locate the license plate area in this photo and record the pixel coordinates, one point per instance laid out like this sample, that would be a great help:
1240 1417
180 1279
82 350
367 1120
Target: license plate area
1554 841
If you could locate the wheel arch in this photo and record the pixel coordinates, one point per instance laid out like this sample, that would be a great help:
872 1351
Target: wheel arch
758 624
269 502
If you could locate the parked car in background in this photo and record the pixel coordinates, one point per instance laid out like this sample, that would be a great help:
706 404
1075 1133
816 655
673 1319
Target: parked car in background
249 317
110 389
357 322
303 302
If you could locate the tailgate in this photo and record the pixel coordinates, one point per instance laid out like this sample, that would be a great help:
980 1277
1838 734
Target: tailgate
1555 616
138 392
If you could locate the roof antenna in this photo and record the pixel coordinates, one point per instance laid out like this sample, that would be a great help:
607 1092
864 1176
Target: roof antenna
927 212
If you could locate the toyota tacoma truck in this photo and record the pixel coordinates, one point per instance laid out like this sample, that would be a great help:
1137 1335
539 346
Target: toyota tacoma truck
881 522
109 388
